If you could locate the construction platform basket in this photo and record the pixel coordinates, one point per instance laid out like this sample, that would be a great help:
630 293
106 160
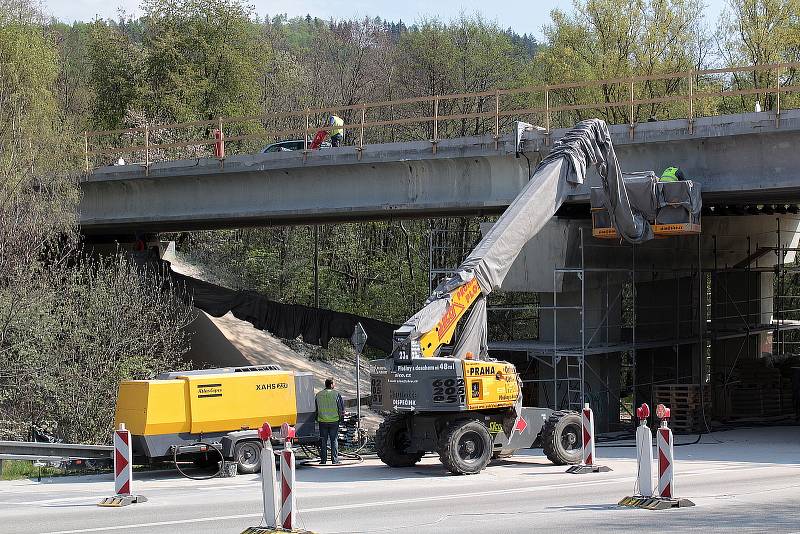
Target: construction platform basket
671 208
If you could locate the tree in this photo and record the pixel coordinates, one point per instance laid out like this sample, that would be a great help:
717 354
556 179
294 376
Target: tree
117 69
70 328
759 32
607 39
204 59
74 88
467 55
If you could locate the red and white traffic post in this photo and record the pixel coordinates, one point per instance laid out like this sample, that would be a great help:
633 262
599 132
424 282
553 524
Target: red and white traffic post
644 497
287 516
588 457
123 471
588 435
666 475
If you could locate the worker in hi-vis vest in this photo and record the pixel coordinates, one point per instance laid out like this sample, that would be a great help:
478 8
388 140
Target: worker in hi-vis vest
672 174
330 411
337 134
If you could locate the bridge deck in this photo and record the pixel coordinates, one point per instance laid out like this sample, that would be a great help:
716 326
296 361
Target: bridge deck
739 159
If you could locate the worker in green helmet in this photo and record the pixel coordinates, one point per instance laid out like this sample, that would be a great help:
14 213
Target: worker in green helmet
672 174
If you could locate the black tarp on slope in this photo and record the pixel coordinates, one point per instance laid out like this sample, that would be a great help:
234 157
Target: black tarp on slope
316 326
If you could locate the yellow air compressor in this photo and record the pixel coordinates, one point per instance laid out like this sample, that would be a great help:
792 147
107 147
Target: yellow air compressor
200 412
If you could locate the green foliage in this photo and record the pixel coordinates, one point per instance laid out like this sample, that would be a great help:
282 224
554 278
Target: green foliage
28 70
70 328
116 75
17 469
203 59
759 32
607 39
376 269
72 334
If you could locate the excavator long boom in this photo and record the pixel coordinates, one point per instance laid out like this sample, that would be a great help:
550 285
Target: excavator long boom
461 300
555 178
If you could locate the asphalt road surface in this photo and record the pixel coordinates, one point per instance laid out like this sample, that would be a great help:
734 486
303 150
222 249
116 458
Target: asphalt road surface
750 482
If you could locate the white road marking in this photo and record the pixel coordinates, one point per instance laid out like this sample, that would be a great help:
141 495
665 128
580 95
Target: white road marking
352 506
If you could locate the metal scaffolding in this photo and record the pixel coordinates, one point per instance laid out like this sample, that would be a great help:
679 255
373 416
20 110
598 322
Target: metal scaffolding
695 314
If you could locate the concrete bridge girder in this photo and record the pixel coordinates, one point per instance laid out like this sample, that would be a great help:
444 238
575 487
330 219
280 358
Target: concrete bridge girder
302 195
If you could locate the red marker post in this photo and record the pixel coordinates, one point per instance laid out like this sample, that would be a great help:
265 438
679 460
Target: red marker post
666 484
587 464
269 492
288 503
123 471
219 144
644 448
270 496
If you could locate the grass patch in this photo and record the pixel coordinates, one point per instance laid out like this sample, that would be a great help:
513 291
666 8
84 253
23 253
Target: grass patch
18 469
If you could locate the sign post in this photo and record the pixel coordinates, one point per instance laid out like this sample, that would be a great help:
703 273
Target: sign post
359 341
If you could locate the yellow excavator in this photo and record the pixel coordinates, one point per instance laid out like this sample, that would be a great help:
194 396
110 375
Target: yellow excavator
442 392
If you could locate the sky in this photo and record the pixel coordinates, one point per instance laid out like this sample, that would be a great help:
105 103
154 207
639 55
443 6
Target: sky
523 16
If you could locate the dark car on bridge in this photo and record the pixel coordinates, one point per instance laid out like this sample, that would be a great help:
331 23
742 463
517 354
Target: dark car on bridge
291 145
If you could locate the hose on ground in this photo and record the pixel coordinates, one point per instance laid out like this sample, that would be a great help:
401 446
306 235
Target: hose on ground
312 452
201 477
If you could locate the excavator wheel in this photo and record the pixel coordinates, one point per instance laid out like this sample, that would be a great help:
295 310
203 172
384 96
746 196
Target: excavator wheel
561 437
465 448
392 441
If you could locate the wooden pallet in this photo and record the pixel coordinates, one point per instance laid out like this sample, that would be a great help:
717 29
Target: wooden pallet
686 403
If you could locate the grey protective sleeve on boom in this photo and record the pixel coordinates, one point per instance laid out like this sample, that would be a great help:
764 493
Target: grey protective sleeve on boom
556 177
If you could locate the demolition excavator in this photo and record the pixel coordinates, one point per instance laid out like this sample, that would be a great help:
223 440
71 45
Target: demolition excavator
440 389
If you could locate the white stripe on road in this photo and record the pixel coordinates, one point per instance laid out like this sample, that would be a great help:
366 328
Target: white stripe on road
352 506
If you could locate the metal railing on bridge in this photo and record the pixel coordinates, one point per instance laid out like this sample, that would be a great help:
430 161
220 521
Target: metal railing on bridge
681 95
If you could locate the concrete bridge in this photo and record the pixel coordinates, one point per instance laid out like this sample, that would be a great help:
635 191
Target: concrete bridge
739 159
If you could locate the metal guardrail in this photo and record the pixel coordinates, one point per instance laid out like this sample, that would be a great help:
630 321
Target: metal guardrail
619 95
28 450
